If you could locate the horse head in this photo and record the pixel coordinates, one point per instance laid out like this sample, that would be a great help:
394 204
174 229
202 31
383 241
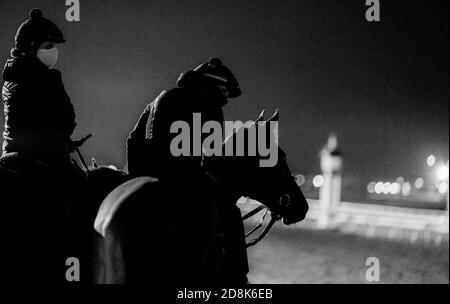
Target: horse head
273 185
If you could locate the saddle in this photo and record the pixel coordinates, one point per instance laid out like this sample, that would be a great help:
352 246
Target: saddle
29 167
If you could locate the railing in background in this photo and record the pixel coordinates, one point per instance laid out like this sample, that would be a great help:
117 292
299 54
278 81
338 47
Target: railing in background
368 219
396 223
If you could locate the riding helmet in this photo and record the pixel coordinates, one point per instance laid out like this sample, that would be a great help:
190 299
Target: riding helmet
219 72
36 30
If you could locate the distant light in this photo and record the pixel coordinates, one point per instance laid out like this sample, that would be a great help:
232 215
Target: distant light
431 160
419 183
386 188
400 180
379 188
318 181
442 172
443 188
371 187
300 179
396 188
406 189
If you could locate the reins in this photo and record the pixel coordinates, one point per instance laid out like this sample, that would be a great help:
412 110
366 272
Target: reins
76 145
274 216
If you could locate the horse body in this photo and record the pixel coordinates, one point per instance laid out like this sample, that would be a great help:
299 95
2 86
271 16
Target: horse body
37 234
158 231
47 218
186 228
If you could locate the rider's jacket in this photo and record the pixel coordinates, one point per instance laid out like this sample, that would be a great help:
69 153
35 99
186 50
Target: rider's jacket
148 144
39 116
148 149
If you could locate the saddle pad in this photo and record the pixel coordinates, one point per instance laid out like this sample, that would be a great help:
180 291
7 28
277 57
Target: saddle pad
112 202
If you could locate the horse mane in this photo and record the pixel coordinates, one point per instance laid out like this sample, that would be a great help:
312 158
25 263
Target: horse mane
103 180
114 200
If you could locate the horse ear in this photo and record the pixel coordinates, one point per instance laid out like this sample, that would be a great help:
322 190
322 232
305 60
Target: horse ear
261 116
275 116
94 163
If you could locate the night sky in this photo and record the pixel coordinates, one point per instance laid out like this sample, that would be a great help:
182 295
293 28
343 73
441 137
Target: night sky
382 87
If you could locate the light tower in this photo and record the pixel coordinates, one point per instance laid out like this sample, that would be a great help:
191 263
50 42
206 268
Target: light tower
331 161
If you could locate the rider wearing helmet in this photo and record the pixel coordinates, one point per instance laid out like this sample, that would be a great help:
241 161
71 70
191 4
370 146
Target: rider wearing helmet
39 120
204 90
39 116
221 75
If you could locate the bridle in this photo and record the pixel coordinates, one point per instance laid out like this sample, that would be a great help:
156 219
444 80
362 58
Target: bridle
275 216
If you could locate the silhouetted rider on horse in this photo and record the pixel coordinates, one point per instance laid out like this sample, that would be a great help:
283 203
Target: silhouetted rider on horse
204 90
39 120
39 115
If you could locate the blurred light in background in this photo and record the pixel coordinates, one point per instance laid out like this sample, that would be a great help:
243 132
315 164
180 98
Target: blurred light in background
395 188
379 188
386 188
431 160
442 172
300 179
318 181
400 180
371 187
419 183
406 189
443 187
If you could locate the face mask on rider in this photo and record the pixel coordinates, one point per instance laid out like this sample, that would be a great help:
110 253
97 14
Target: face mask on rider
48 56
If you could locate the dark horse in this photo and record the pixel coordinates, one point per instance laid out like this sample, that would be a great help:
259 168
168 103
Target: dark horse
40 228
38 234
187 230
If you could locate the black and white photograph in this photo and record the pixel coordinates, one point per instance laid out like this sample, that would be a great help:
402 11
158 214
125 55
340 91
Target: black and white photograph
219 149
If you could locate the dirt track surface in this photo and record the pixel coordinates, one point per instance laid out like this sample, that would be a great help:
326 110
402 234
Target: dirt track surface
308 256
